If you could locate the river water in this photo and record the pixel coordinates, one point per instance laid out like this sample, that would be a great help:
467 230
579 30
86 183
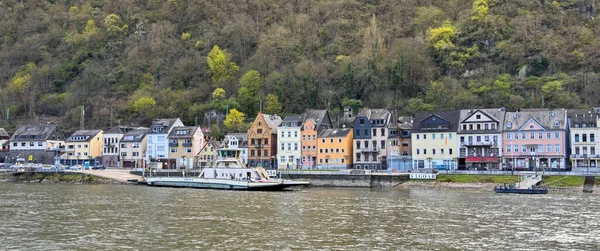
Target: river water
118 217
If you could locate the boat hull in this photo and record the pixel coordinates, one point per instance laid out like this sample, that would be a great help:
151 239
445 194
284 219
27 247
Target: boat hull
222 184
521 191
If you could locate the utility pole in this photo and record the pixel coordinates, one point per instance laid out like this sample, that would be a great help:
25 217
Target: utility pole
111 116
82 118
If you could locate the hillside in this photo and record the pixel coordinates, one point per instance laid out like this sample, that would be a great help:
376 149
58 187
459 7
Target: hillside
165 58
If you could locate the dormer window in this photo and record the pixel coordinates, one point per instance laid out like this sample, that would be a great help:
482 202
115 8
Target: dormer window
576 125
530 126
556 123
553 114
515 115
509 125
584 125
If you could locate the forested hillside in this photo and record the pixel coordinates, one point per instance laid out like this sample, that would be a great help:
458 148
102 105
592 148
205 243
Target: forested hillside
141 59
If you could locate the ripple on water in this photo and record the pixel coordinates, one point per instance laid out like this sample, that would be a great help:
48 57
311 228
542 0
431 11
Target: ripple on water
108 217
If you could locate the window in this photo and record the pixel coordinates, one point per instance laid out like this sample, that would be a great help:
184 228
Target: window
173 150
357 144
493 126
188 150
252 153
291 159
40 144
516 148
508 136
289 146
509 125
266 141
433 136
524 148
138 154
289 134
487 126
462 139
442 151
295 134
464 127
321 150
339 140
282 134
259 131
523 136
424 151
78 146
576 137
540 148
266 152
295 146
577 150
424 136
557 136
357 132
418 151
592 150
382 132
548 135
85 146
584 138
303 148
540 135
557 148
532 149
303 137
592 139
282 159
383 144
366 132
441 136
508 148
495 138
417 136
450 151
331 140
282 146
517 136
433 151
374 132
124 154
532 135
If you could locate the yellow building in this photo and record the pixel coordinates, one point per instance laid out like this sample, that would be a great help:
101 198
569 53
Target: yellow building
434 140
185 143
334 148
207 155
83 146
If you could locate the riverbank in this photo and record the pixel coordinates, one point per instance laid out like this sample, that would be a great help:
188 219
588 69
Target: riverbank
73 178
488 182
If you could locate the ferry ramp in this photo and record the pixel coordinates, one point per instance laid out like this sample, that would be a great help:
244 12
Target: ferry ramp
115 174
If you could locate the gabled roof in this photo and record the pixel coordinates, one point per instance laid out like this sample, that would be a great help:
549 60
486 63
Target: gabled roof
117 130
135 135
319 117
83 135
3 133
273 121
451 117
334 133
544 117
36 133
181 132
376 114
166 123
494 114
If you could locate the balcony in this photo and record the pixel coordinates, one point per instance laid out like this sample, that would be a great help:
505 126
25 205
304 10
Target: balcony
69 149
585 156
369 150
173 144
188 144
479 143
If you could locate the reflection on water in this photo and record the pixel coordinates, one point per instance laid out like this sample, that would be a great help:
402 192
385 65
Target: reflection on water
109 217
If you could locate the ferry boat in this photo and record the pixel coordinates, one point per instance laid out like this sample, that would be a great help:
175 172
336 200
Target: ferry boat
229 173
528 184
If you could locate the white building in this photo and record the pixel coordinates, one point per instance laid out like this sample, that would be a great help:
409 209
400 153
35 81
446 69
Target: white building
480 139
237 141
289 154
111 146
585 149
37 138
158 143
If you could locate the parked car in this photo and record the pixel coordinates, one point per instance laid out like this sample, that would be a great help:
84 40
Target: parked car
98 167
75 167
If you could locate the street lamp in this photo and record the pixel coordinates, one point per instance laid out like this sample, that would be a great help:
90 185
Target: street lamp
327 160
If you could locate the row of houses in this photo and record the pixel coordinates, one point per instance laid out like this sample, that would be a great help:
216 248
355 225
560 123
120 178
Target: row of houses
490 139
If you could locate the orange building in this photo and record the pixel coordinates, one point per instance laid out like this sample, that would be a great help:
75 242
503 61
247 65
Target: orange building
262 141
314 120
334 148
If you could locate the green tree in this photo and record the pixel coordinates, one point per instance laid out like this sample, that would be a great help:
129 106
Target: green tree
220 66
114 25
272 105
143 104
250 91
480 10
234 120
354 103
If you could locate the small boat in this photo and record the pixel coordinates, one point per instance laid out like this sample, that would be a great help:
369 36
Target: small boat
229 173
528 184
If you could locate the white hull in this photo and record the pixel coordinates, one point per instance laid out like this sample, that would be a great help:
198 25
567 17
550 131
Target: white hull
226 184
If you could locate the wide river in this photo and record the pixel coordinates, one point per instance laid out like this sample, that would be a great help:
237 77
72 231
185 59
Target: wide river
118 217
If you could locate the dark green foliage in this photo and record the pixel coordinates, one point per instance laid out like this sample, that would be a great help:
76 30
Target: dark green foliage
106 54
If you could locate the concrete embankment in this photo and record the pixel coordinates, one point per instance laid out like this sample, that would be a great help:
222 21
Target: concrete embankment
347 180
33 177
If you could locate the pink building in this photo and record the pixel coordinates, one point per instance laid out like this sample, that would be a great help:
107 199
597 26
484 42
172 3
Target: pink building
535 139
